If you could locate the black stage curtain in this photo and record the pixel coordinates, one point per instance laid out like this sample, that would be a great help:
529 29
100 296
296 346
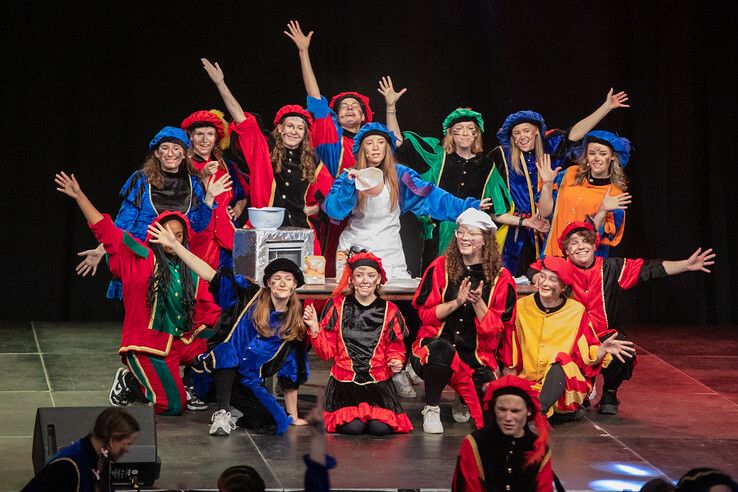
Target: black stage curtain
85 86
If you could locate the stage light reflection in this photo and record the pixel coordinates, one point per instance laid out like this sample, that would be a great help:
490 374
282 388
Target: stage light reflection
630 469
615 484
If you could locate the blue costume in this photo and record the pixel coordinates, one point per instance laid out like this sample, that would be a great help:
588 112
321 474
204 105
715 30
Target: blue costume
524 189
71 469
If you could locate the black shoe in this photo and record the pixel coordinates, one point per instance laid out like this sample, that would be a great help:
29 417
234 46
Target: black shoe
194 403
562 418
609 402
120 393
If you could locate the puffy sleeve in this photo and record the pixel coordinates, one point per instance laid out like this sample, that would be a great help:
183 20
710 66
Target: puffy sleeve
200 213
612 229
132 193
423 198
249 145
468 468
545 479
240 187
584 353
396 332
325 133
501 311
319 189
325 341
430 293
496 189
122 248
341 198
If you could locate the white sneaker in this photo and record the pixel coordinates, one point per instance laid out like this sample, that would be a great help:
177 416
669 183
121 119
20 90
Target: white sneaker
432 420
221 423
414 378
403 386
459 411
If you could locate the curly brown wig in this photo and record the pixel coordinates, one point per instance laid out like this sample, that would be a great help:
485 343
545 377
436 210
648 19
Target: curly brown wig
491 262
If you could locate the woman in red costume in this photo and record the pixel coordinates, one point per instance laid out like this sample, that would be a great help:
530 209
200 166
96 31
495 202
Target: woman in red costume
362 333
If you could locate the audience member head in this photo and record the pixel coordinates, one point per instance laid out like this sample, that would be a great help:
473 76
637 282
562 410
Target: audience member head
706 480
115 431
240 478
658 485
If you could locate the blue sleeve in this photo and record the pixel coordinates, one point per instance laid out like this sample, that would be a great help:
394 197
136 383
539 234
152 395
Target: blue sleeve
132 193
316 474
227 287
237 179
423 198
296 369
618 217
200 215
341 200
326 134
318 107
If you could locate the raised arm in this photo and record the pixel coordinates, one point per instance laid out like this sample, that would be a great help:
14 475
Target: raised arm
216 75
612 101
390 98
294 32
698 262
547 177
161 235
70 187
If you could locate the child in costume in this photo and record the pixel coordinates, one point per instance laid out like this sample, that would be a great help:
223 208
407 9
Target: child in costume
465 301
286 173
362 333
160 294
507 455
524 142
595 187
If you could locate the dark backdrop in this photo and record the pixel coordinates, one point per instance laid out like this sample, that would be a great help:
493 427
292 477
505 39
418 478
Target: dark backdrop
86 85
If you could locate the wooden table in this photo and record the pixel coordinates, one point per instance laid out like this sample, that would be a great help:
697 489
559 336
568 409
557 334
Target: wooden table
398 290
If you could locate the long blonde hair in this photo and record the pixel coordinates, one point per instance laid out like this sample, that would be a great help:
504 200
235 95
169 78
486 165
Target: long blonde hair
389 168
516 155
491 262
449 146
617 173
292 328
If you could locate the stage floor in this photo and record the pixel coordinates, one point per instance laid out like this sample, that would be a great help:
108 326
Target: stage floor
680 411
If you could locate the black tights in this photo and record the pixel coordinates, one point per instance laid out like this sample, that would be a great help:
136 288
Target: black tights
436 377
223 379
553 387
356 427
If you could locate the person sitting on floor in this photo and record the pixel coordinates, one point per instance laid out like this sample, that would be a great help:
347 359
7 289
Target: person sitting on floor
84 465
507 454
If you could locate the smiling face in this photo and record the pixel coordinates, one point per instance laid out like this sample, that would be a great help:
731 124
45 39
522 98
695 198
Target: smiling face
464 134
203 140
282 285
599 159
349 112
524 136
511 414
292 129
119 447
470 240
580 249
365 280
374 148
170 155
550 287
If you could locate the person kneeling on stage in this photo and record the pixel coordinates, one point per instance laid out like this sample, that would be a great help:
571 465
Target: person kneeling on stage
465 301
599 283
507 454
554 345
84 465
162 299
362 333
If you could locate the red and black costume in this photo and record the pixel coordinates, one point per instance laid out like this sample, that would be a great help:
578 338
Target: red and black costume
461 342
361 340
490 460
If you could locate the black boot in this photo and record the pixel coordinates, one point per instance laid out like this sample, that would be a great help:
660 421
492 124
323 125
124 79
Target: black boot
561 418
609 402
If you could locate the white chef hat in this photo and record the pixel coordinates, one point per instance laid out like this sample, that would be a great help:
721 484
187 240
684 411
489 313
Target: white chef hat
473 217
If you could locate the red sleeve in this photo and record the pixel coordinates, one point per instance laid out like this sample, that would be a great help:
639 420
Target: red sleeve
120 246
466 474
430 292
584 353
325 342
501 311
396 333
544 481
630 273
255 151
318 190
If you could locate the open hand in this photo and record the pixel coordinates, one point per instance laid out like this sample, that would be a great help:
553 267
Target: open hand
220 185
294 32
538 223
615 202
214 71
67 185
463 295
545 173
700 260
161 235
90 263
388 91
618 100
617 348
485 204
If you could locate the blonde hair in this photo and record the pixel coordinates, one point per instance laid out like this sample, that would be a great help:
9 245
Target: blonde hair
617 173
291 328
516 154
389 168
450 147
308 159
